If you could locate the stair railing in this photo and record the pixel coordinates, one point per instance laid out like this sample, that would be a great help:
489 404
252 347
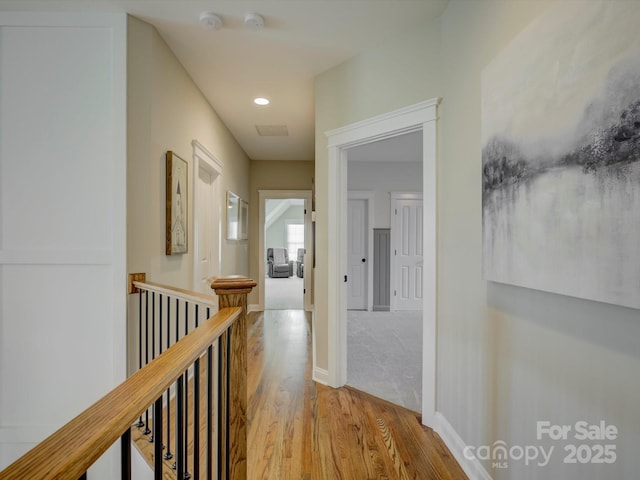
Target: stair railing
70 451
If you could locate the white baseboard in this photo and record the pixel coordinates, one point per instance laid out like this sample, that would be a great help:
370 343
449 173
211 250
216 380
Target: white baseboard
321 375
253 308
472 467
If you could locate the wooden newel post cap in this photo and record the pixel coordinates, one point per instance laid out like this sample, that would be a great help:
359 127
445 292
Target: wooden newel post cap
233 284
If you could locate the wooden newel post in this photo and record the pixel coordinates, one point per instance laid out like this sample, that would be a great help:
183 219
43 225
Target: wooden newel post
233 292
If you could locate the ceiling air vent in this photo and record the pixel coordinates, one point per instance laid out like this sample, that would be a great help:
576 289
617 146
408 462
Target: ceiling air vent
272 130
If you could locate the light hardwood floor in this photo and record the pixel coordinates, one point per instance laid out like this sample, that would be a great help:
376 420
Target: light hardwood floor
301 430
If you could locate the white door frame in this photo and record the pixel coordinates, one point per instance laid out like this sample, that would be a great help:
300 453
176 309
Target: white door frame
419 117
265 195
204 159
394 242
368 197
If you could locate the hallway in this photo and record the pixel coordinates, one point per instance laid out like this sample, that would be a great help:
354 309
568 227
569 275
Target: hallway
283 293
302 430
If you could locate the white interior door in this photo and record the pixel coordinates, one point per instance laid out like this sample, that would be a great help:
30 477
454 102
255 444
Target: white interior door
207 169
204 234
408 256
357 254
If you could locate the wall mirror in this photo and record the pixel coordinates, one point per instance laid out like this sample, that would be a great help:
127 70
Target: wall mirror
243 233
233 210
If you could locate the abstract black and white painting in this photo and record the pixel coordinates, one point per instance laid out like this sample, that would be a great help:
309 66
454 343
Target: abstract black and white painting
561 154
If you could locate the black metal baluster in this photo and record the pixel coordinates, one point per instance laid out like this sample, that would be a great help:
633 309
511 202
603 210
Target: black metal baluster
177 320
168 455
209 412
160 298
146 350
196 419
209 431
83 476
228 387
179 464
186 397
153 326
140 423
125 455
221 404
186 318
196 307
157 450
153 351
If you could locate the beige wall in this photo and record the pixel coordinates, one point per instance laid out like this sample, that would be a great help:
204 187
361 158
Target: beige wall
272 175
402 72
166 111
507 356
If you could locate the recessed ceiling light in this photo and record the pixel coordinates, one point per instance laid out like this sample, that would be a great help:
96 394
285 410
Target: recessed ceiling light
261 101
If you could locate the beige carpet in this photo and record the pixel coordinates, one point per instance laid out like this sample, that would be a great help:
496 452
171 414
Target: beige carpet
283 293
384 355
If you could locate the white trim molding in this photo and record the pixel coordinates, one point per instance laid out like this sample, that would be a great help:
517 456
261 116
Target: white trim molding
471 466
214 163
320 375
253 307
420 117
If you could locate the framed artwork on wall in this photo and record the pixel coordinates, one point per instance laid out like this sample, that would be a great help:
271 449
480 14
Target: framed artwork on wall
176 205
561 154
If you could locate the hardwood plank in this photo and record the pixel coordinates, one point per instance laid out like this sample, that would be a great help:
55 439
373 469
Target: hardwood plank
302 430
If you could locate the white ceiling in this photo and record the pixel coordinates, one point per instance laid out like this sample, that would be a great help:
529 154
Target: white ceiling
231 66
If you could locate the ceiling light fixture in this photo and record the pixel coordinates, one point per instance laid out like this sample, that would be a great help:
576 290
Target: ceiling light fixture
210 20
261 101
254 21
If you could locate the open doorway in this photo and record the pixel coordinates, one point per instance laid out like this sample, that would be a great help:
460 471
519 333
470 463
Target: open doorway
421 117
285 244
384 260
284 254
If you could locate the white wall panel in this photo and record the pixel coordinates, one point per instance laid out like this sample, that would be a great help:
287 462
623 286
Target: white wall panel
64 341
62 221
54 179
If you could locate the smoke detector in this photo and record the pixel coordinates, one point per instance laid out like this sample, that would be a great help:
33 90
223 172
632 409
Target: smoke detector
210 20
254 21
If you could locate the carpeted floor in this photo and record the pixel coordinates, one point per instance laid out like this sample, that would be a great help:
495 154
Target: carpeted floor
384 355
283 293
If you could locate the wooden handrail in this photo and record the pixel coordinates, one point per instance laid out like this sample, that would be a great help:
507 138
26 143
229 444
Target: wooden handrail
69 452
187 295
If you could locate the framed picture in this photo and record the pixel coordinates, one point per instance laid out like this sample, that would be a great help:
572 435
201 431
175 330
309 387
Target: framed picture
561 154
233 216
177 204
244 220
